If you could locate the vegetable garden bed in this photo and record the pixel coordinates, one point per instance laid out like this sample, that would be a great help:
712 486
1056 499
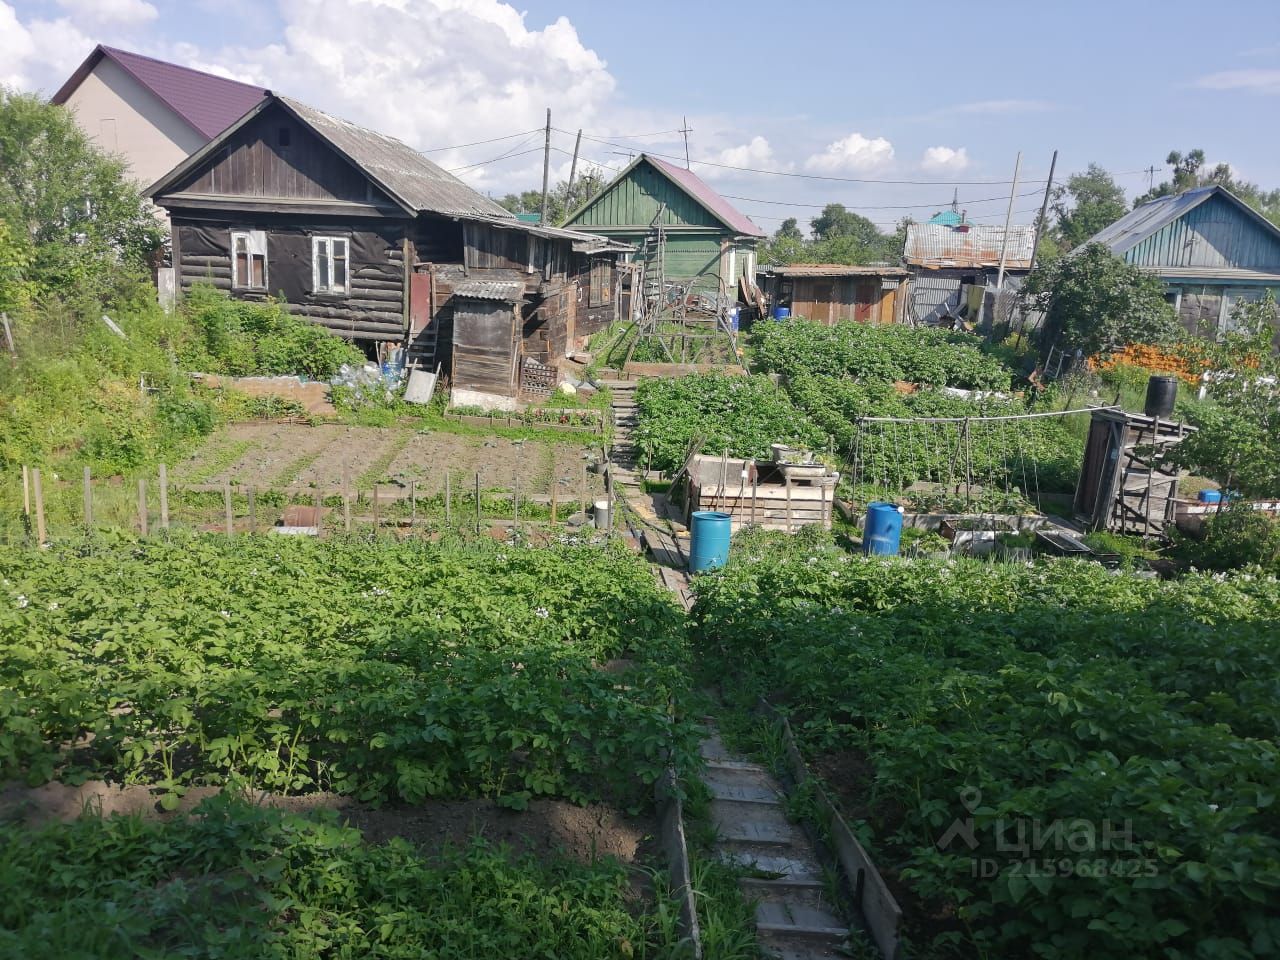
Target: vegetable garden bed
1054 761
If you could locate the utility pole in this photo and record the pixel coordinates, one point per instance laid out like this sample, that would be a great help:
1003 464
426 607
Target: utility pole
573 170
684 129
1008 217
1044 210
546 169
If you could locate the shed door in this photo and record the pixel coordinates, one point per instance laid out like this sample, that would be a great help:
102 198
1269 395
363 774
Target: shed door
823 297
419 302
864 300
484 338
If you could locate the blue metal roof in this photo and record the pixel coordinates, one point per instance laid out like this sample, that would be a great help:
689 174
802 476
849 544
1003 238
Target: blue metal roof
948 218
1144 222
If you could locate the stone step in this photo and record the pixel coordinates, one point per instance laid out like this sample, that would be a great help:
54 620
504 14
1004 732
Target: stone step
812 893
742 786
797 921
784 947
757 833
745 766
713 748
770 863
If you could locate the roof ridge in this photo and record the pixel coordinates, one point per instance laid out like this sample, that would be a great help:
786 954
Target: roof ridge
116 52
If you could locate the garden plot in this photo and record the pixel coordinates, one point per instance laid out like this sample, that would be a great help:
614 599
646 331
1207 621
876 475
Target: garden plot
280 455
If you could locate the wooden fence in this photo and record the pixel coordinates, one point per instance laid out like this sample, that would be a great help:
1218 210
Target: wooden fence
161 504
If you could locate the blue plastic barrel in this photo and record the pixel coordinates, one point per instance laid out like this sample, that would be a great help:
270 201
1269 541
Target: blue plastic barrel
1210 496
709 534
883 529
733 318
781 313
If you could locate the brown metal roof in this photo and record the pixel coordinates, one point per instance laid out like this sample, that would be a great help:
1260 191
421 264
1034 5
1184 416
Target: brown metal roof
208 103
835 270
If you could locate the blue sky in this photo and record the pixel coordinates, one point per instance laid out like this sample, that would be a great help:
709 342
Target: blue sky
932 92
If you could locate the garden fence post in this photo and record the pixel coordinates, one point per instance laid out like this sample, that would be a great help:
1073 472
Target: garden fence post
88 498
375 508
413 505
39 495
346 508
515 499
554 484
142 506
584 490
477 501
448 501
164 496
317 501
253 509
26 490
229 517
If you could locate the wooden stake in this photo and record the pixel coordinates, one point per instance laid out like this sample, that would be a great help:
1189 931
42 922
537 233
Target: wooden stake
554 484
754 483
583 508
515 499
26 490
375 507
226 507
346 509
477 501
88 499
253 509
346 479
413 505
39 495
164 496
448 501
142 506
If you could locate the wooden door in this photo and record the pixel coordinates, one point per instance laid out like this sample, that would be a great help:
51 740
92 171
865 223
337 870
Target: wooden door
419 302
864 300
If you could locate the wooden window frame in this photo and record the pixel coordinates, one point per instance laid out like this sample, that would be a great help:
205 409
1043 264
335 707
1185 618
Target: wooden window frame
324 251
242 275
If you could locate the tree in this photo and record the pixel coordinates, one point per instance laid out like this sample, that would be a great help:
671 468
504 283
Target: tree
561 200
82 218
1237 438
836 221
790 230
1085 204
1187 172
787 245
1094 301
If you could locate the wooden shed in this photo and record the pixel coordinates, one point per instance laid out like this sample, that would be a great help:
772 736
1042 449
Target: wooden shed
1123 486
832 292
368 238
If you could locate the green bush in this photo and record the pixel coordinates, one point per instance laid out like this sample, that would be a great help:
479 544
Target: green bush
243 338
1236 537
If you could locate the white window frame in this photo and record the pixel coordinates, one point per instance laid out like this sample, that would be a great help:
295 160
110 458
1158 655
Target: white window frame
324 251
255 246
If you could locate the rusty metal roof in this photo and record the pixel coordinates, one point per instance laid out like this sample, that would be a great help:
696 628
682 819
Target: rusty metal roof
507 290
834 270
937 246
402 171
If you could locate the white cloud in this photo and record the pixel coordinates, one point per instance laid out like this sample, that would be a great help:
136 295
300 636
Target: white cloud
122 12
41 53
1260 80
431 72
1003 106
757 154
852 154
945 159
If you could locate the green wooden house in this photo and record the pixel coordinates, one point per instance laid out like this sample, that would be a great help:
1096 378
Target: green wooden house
683 231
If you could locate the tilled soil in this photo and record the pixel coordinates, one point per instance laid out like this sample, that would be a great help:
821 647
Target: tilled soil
546 827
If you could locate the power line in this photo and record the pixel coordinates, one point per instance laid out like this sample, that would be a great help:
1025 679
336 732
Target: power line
476 143
510 154
890 206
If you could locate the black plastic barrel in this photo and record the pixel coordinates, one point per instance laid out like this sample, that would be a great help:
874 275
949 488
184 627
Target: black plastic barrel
1161 393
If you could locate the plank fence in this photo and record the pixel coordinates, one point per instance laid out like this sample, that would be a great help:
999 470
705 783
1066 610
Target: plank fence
464 502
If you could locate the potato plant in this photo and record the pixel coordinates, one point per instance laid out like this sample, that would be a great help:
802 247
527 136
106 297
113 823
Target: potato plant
382 671
1106 745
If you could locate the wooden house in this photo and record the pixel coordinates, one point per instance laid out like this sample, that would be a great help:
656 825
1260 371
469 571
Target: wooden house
834 292
1209 247
683 231
367 237
954 264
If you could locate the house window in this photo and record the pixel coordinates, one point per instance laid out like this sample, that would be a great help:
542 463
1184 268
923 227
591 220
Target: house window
329 265
601 283
248 260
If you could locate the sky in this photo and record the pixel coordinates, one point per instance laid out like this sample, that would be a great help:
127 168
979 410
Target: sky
890 109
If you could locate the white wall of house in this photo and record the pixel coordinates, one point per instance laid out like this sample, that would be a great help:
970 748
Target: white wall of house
121 116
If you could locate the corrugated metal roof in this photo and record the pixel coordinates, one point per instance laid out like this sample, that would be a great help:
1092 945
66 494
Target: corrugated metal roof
507 290
692 184
1146 221
402 171
834 270
937 246
208 103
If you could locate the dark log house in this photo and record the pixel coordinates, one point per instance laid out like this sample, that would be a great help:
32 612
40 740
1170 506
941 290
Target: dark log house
366 236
